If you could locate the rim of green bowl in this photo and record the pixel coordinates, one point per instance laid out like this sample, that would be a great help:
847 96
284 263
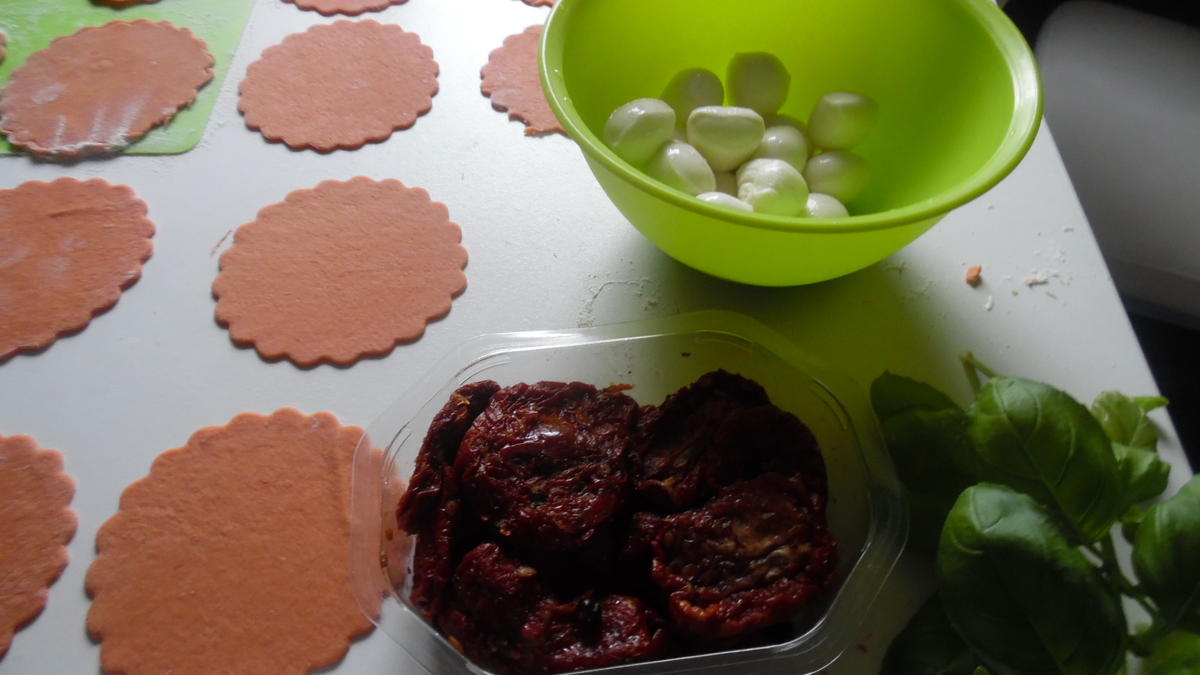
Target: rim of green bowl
1022 129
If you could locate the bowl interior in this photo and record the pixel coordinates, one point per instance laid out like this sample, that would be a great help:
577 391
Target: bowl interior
956 84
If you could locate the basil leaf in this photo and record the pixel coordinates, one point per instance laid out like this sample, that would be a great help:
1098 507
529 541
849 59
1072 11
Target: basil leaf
892 394
1175 654
927 513
928 645
1166 556
926 436
1149 403
1143 473
1040 441
1124 419
931 449
1021 596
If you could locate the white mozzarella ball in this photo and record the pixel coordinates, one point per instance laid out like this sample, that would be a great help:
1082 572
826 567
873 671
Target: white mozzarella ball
636 130
838 173
722 199
841 120
726 182
786 143
725 135
825 206
682 167
758 80
772 186
690 89
779 120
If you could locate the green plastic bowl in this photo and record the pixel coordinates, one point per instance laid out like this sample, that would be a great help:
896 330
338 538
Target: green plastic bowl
958 91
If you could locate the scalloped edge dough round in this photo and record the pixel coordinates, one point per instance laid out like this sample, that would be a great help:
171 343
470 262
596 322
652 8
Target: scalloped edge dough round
348 7
511 80
121 4
340 271
103 87
36 524
339 86
232 554
92 237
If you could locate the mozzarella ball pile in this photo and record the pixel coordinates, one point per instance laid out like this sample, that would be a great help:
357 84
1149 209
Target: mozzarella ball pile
746 155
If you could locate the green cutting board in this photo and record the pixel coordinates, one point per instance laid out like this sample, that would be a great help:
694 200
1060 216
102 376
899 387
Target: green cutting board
31 24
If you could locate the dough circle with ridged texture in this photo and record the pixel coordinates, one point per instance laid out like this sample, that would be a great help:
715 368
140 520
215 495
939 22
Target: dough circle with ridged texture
351 7
511 80
36 523
232 554
339 86
67 250
100 89
120 4
340 271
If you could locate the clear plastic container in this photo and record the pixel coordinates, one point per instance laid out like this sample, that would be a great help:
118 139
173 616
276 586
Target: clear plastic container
867 512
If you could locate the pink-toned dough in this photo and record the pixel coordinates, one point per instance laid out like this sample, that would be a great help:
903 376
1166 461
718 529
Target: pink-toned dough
351 7
339 86
232 555
341 271
67 249
103 87
511 80
36 524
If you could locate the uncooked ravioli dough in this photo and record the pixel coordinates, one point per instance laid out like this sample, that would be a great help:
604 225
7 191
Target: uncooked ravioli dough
351 7
232 555
123 3
102 88
511 80
36 524
340 85
341 271
67 249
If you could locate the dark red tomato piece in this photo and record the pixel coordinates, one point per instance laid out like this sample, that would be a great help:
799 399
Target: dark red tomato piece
438 451
594 633
494 597
754 556
437 548
544 464
431 507
672 456
764 439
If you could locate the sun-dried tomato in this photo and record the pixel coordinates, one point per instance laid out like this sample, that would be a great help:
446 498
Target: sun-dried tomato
438 451
594 633
544 464
754 441
752 557
671 456
718 430
539 482
494 597
431 507
504 616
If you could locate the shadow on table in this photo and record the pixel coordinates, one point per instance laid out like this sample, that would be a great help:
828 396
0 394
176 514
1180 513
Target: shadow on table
873 320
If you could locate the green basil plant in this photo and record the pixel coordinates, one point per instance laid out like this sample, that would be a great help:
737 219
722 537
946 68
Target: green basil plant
1016 498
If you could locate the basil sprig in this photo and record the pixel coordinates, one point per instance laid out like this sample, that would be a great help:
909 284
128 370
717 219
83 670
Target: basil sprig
1017 495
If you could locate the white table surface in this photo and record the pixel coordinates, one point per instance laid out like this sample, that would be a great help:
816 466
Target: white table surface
547 251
